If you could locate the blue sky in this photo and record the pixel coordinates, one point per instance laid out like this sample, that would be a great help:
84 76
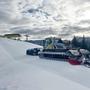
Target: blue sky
63 17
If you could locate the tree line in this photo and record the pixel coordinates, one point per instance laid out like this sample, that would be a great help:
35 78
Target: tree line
84 44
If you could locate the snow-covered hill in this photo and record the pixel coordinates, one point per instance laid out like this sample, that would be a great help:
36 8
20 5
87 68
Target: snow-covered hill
21 72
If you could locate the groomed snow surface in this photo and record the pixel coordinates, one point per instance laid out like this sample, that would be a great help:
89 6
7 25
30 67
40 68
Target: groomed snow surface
21 72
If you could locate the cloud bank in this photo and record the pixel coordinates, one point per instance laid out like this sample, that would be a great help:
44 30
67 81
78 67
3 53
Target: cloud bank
59 17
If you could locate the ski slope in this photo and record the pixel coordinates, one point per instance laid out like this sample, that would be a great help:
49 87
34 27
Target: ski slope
21 72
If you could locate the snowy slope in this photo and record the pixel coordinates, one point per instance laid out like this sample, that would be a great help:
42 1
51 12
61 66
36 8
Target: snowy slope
21 72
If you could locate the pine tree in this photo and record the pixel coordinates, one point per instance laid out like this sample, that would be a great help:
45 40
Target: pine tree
83 44
75 42
88 47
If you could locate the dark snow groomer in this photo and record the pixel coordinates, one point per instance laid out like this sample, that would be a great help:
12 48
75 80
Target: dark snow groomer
54 49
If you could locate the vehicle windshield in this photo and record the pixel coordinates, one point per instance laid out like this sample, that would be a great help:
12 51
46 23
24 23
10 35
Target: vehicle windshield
74 52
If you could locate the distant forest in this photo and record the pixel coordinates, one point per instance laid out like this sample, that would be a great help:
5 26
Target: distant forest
81 42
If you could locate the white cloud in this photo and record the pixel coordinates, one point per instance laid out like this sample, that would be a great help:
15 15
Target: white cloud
45 13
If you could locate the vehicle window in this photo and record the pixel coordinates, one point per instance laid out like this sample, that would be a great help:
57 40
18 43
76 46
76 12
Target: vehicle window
74 52
69 53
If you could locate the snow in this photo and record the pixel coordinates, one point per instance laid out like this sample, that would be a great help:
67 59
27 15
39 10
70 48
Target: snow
21 72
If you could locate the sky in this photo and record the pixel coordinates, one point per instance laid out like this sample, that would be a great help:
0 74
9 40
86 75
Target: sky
41 18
